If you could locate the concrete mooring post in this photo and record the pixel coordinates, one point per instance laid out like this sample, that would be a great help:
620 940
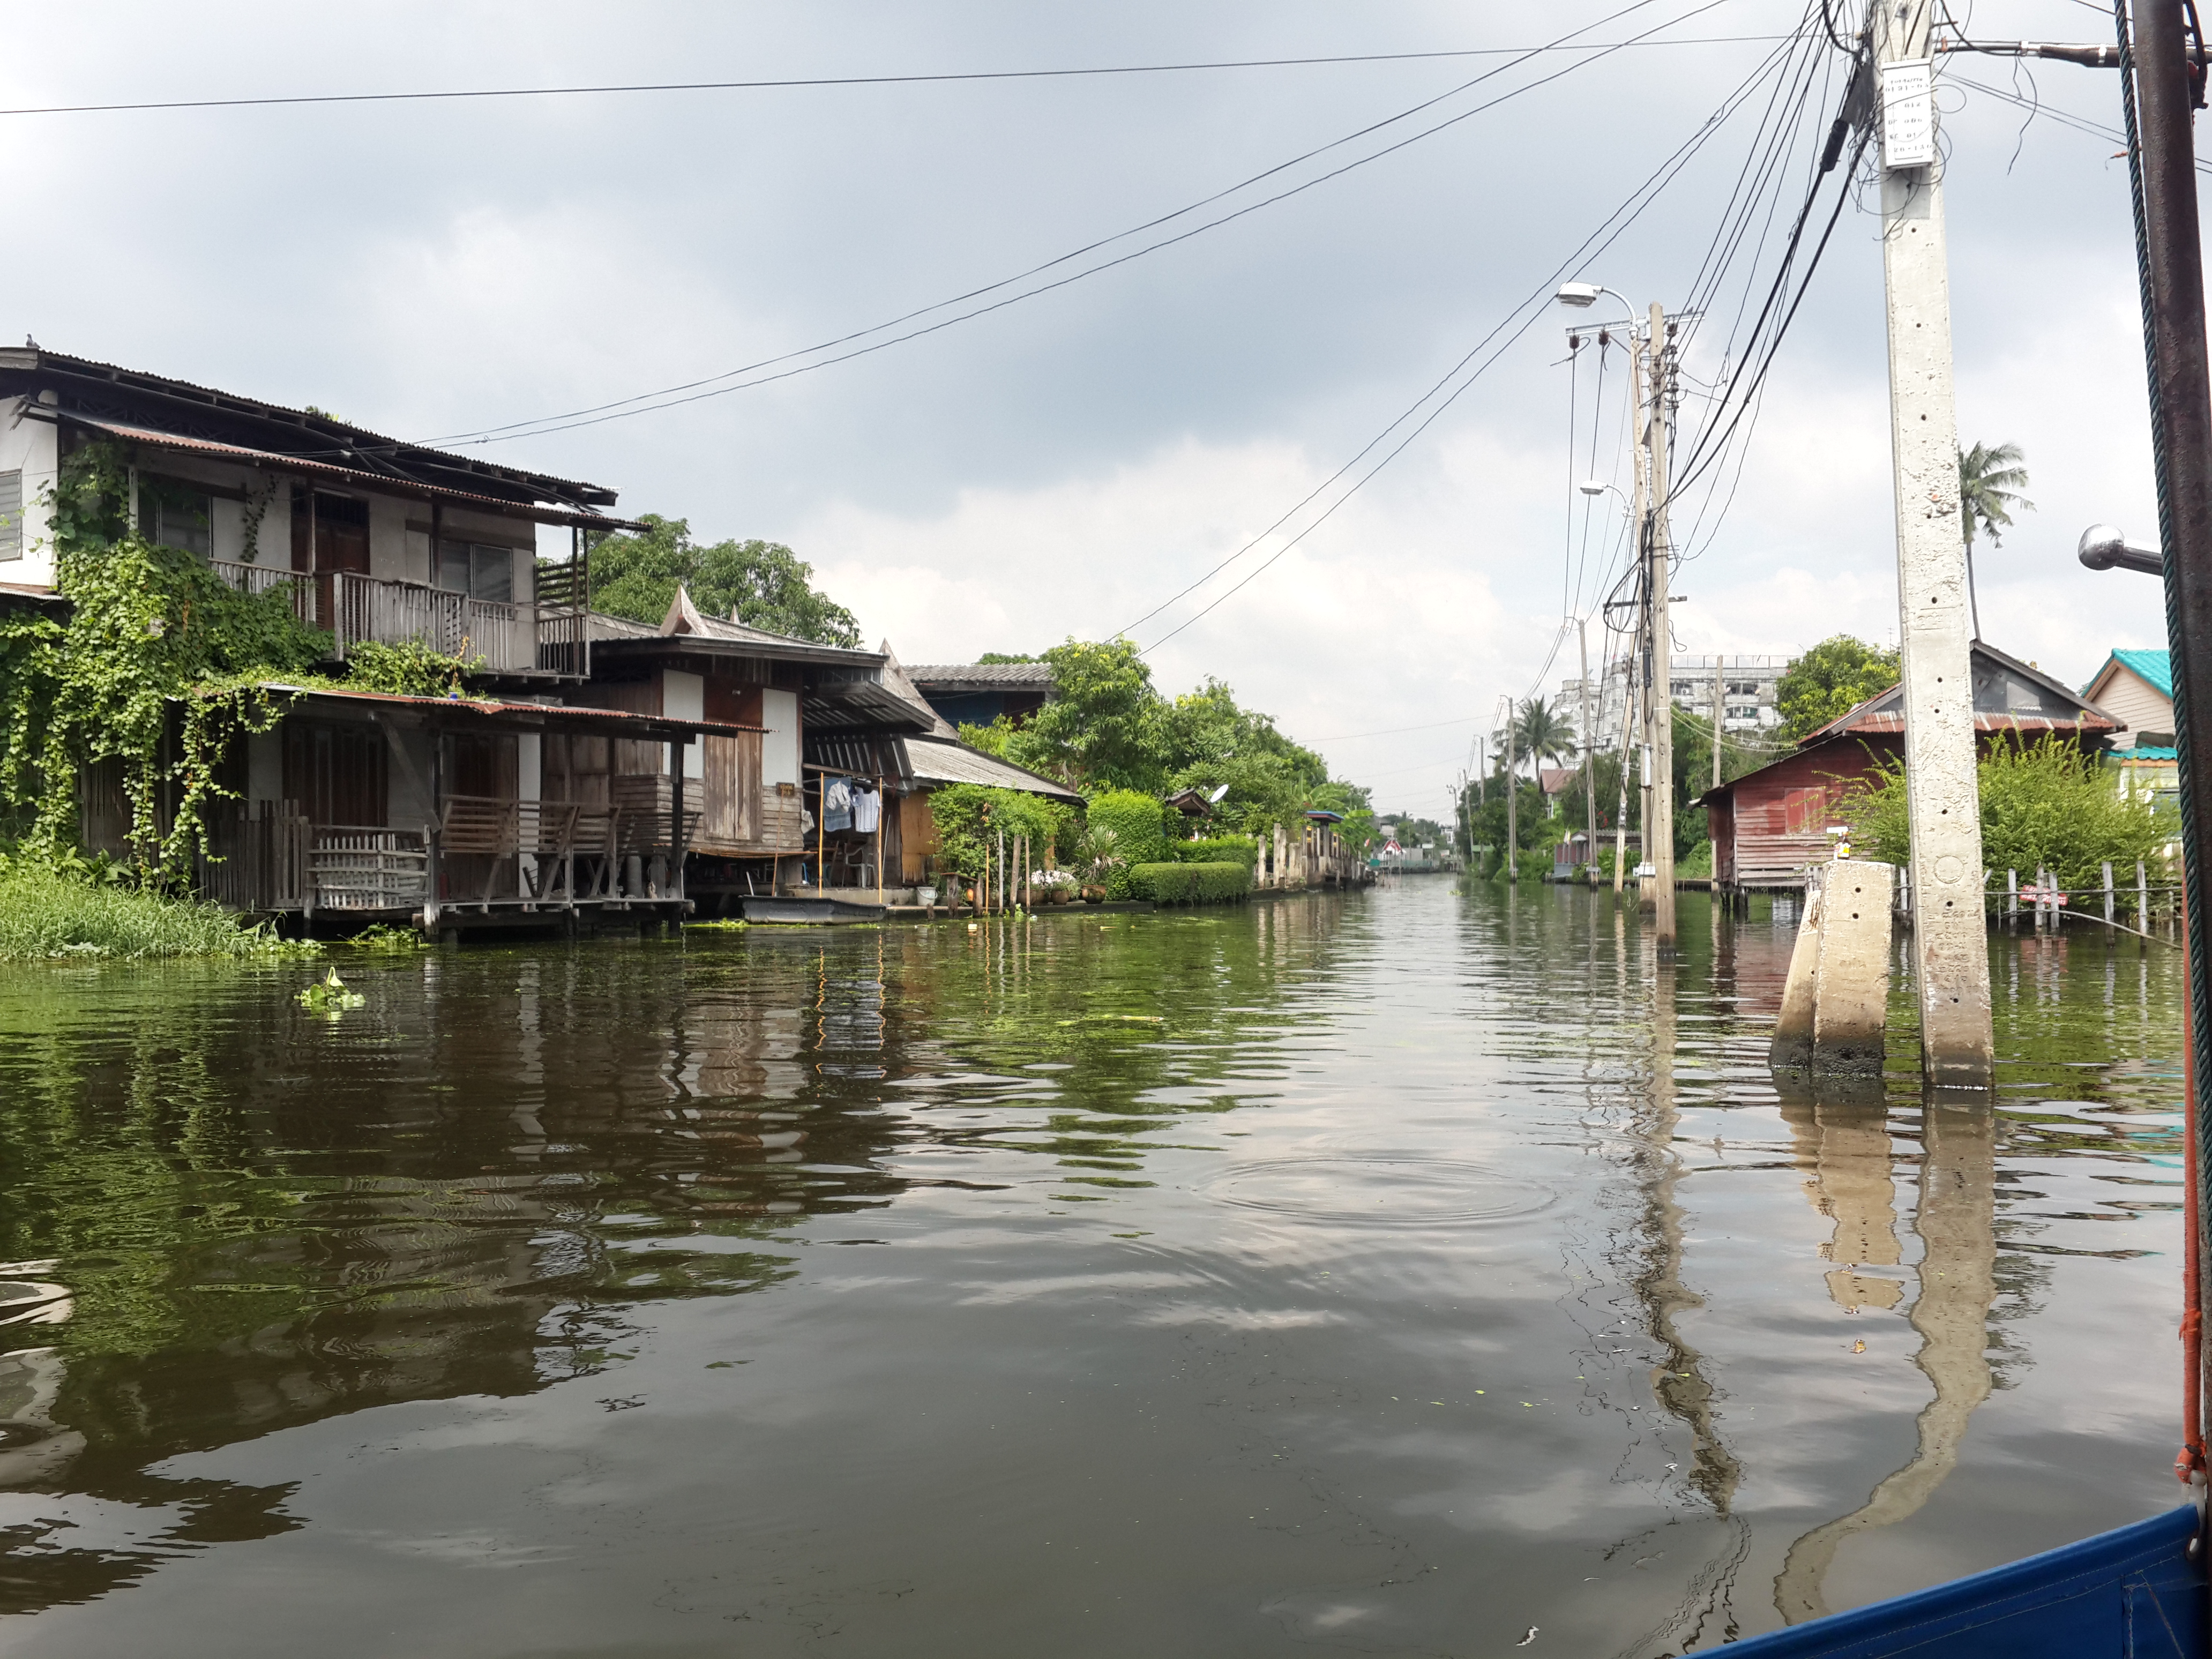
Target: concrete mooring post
1835 1001
1950 941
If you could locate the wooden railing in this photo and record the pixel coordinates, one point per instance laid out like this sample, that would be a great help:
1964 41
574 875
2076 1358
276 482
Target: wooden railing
361 868
256 858
503 637
487 849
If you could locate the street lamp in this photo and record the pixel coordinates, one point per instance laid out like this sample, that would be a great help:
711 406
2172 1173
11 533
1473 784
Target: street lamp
2104 547
1581 296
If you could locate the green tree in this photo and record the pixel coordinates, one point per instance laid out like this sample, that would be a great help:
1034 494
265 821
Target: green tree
1540 732
2044 805
760 583
1105 727
1830 680
1991 478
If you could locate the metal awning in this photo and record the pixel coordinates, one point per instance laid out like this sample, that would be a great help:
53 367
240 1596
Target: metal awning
527 716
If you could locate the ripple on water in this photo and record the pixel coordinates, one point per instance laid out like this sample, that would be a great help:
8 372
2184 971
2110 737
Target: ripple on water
1379 1191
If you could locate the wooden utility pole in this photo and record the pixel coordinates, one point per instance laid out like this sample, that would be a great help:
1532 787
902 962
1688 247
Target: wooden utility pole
1589 753
1950 941
1659 823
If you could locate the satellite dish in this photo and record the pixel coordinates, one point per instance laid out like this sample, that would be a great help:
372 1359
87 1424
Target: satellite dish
1214 799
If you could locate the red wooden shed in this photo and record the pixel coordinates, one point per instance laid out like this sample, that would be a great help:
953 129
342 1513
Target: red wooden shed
1768 825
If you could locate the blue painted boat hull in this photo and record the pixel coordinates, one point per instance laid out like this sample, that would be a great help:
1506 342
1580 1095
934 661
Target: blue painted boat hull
2132 1592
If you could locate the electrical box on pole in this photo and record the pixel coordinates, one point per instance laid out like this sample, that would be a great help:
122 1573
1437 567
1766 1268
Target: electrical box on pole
1950 940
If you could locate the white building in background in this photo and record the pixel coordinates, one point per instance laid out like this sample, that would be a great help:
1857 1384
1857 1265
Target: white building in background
1747 686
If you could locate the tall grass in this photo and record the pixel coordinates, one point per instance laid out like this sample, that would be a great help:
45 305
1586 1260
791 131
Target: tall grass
45 915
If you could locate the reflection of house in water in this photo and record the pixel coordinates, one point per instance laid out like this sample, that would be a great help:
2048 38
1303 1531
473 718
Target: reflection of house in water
1850 1160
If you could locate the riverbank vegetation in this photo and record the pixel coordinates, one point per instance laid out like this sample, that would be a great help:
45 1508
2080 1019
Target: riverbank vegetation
49 915
1109 729
2045 806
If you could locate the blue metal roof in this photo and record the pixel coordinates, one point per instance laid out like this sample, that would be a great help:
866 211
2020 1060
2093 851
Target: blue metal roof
2154 668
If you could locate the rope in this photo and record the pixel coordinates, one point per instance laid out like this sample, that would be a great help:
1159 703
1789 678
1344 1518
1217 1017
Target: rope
2199 1025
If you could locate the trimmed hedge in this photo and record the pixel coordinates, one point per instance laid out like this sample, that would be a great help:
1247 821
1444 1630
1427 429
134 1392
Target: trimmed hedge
1216 849
1139 823
1190 883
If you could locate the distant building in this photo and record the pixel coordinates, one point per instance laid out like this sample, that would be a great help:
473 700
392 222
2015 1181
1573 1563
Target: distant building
2136 688
1749 694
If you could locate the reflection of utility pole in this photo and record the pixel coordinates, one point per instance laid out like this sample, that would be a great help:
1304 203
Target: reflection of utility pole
1659 835
1950 939
1958 1284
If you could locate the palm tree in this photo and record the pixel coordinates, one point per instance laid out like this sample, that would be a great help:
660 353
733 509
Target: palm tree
1542 733
1991 478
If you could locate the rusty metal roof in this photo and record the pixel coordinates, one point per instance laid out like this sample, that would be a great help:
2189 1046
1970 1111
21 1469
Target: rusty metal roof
615 722
90 378
382 482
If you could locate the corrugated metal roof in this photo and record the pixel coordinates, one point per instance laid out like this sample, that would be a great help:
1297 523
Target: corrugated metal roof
2154 668
565 713
32 359
947 675
382 481
931 760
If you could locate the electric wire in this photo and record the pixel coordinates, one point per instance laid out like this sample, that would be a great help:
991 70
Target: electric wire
694 390
465 93
1608 231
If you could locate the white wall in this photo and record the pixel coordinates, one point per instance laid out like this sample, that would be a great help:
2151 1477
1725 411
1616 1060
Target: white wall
684 697
265 765
28 446
779 748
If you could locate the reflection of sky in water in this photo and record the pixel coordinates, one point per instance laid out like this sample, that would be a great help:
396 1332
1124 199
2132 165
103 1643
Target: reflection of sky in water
1326 1272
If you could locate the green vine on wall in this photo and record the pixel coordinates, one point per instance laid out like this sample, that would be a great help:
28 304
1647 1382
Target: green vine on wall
157 669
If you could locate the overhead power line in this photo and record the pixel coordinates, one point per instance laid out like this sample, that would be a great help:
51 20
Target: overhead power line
465 93
1530 307
735 380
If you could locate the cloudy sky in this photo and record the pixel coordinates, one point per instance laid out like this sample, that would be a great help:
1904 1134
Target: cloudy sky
1063 465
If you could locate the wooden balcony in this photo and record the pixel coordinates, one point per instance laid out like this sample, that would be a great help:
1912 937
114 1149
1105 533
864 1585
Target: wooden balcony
506 638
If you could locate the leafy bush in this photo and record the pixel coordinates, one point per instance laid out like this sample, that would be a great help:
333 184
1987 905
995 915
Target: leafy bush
1190 883
45 915
411 669
2044 805
1216 849
970 818
1138 824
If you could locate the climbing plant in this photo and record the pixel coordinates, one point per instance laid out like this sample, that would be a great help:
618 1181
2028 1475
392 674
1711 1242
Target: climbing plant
157 670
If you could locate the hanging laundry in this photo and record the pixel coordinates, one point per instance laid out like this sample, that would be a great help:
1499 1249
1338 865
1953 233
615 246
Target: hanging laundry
866 810
837 805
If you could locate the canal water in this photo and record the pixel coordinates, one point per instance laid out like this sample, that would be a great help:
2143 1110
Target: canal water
1401 1272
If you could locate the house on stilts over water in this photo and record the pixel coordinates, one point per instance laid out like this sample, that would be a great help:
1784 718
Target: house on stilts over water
596 771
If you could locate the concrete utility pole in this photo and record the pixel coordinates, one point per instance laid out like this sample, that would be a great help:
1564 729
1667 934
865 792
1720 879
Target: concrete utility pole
1589 752
1628 730
1950 940
1512 803
1659 823
1719 694
1639 678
